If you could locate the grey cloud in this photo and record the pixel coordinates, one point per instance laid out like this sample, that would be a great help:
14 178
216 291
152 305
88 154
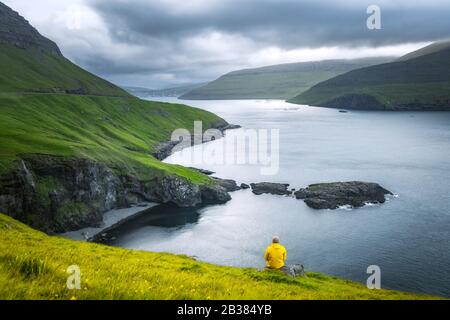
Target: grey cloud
283 23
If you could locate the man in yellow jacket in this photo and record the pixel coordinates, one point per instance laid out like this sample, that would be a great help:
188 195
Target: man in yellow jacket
275 254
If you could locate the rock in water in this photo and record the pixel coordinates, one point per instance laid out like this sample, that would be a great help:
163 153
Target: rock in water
336 194
245 186
270 187
228 184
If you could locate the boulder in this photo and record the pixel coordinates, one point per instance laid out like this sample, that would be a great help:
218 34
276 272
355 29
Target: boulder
336 194
229 184
271 188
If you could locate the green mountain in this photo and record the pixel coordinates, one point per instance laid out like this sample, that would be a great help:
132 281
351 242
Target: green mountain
166 92
74 145
417 81
432 48
276 82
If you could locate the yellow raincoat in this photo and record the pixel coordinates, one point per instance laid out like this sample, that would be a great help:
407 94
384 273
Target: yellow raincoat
275 256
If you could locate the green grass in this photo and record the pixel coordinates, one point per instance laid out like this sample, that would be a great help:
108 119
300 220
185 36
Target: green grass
33 266
34 70
40 114
276 82
424 80
118 131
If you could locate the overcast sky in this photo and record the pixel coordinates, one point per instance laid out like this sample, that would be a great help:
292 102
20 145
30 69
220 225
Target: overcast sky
160 43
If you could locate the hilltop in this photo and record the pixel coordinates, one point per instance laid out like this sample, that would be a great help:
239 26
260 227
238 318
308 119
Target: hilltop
418 81
276 82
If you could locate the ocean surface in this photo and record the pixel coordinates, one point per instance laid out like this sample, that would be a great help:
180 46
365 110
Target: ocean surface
408 237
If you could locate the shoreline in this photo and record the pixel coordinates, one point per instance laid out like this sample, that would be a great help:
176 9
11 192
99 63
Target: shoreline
116 217
111 219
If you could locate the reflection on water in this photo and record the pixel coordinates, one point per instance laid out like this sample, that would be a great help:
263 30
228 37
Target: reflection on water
408 237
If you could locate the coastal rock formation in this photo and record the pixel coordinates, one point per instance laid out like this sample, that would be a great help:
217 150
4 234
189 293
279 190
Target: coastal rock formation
165 149
270 187
336 194
58 194
228 184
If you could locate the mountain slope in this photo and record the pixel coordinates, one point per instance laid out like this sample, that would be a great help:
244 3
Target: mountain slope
166 92
74 145
276 82
432 48
30 271
421 83
33 63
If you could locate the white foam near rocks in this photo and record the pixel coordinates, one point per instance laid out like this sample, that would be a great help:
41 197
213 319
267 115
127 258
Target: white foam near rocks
110 219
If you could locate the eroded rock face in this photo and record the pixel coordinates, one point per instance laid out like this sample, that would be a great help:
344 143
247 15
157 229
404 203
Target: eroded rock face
336 194
58 194
270 187
15 30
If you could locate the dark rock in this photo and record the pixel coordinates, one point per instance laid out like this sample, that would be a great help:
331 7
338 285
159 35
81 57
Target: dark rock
231 127
214 194
245 186
336 194
228 184
165 149
270 187
59 194
204 171
16 31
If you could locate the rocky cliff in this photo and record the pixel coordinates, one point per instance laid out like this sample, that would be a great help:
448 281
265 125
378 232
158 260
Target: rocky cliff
15 30
57 194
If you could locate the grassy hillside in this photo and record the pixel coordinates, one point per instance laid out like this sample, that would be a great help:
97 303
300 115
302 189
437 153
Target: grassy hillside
432 48
118 131
34 70
276 82
421 83
33 266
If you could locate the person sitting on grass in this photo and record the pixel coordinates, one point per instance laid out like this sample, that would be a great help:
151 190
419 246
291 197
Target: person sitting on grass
276 255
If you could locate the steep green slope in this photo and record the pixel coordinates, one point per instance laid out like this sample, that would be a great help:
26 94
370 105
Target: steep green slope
31 271
276 82
74 145
421 83
34 70
118 131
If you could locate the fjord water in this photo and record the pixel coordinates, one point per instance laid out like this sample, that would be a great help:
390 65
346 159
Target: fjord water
408 237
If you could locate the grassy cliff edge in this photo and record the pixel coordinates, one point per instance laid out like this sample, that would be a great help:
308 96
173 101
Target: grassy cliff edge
33 266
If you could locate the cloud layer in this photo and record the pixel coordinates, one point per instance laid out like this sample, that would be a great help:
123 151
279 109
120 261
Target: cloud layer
158 43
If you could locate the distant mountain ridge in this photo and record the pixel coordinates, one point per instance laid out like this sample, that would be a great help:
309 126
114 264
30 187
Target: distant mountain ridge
418 81
432 48
278 81
175 91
